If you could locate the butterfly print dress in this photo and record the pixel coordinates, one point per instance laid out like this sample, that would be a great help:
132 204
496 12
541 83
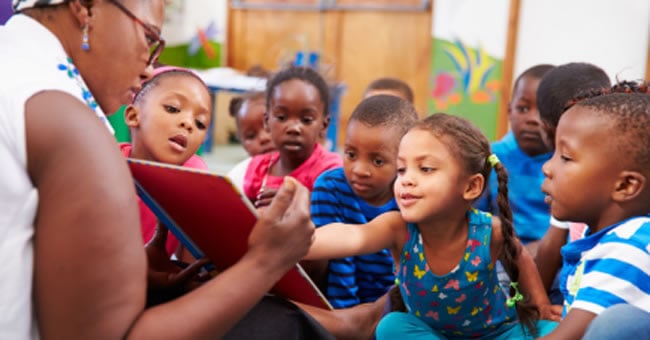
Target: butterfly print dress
466 302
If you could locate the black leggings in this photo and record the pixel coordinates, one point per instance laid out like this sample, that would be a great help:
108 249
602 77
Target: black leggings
276 318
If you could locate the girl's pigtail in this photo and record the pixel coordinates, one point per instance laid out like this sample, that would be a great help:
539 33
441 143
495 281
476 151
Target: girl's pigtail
396 300
527 313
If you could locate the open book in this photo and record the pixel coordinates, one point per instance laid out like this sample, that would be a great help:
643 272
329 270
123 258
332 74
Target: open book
211 218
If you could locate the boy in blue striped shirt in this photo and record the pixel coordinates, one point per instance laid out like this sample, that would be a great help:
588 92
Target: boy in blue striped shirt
361 190
600 175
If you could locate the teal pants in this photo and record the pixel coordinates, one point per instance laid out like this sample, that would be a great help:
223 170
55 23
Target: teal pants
405 326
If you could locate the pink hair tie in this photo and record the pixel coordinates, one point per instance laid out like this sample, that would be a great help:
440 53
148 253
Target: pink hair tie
165 69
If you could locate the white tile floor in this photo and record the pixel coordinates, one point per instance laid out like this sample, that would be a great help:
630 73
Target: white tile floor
223 157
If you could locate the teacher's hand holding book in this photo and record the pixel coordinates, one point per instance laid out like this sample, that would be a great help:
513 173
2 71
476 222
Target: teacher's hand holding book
284 230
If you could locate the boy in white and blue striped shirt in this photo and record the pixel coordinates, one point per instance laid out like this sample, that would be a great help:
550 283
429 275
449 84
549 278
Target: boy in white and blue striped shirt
600 175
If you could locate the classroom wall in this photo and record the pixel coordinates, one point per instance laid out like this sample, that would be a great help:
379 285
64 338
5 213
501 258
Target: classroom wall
195 31
611 34
467 73
358 46
182 18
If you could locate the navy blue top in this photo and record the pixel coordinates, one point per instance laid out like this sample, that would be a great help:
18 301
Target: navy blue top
357 279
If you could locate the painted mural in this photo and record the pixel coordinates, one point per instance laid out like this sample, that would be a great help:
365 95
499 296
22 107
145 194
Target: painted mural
469 38
195 32
466 81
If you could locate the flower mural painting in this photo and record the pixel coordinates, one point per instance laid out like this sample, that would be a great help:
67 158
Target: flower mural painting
467 60
470 77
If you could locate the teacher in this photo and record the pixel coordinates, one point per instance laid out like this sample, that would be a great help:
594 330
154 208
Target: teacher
73 265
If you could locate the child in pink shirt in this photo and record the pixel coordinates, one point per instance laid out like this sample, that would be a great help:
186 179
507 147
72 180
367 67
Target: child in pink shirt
297 116
168 120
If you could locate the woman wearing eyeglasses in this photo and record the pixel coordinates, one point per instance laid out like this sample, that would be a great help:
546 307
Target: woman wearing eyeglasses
73 265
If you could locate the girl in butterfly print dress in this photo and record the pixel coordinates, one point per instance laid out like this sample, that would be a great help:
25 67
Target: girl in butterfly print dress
445 250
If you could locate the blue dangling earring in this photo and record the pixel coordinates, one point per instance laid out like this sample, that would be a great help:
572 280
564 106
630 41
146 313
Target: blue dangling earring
84 38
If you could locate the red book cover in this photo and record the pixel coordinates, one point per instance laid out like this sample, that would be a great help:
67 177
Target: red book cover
211 218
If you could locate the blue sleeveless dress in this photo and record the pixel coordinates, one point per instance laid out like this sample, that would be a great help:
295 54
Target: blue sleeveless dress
466 302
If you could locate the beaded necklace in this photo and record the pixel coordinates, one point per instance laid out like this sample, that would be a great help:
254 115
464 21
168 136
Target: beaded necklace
73 73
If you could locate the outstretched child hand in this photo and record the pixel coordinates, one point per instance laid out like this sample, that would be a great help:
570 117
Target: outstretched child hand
550 312
165 276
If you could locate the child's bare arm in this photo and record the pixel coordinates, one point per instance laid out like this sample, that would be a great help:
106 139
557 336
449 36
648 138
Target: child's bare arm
338 240
549 259
573 326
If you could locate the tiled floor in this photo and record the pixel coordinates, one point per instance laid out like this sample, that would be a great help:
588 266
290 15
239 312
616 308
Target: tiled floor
223 157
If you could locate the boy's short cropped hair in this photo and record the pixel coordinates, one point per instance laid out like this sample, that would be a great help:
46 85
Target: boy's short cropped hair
564 82
237 101
391 84
627 106
385 110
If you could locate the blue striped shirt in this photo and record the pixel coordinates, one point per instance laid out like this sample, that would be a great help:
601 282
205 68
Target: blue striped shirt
609 267
530 213
358 279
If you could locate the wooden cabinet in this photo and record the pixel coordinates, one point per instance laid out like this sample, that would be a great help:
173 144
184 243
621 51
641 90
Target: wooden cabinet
358 40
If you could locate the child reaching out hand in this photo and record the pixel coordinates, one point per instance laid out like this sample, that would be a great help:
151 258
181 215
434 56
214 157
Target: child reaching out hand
445 251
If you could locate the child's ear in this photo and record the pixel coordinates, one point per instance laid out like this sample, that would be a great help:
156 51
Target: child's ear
474 187
81 13
629 185
326 124
132 116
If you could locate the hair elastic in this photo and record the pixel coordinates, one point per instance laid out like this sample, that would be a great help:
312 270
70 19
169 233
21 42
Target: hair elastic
512 301
493 160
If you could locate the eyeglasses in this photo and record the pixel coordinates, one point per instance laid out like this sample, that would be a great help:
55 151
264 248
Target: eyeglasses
154 39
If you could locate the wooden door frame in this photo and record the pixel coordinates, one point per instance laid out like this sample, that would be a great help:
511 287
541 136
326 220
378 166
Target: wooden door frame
508 68
647 62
